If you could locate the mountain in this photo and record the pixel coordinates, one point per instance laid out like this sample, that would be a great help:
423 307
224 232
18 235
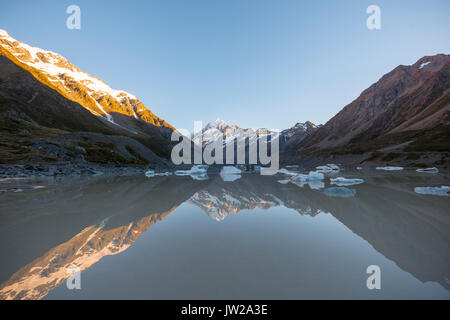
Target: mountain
219 129
49 96
403 116
295 134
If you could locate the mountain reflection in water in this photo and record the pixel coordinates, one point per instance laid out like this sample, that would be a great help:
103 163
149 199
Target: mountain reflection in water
45 230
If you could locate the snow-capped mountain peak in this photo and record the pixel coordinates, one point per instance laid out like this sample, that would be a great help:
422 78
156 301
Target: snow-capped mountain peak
218 129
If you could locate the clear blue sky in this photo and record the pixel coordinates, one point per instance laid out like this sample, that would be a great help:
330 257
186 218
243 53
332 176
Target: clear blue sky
254 63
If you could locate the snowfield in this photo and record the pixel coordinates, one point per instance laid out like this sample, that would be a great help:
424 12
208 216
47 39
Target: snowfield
151 173
314 179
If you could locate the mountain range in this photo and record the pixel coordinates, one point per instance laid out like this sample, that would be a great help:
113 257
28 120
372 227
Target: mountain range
218 129
50 110
403 117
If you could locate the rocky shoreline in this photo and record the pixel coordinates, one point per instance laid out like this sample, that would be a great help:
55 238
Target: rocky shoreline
69 169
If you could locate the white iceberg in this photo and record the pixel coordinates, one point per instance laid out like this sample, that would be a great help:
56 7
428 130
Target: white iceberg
314 179
341 181
429 170
198 172
230 173
389 168
328 168
287 172
340 192
311 176
437 191
284 181
150 173
314 184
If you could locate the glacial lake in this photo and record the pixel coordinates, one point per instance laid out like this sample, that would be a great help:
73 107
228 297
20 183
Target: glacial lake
253 238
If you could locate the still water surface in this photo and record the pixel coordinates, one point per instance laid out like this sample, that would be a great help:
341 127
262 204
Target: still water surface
253 238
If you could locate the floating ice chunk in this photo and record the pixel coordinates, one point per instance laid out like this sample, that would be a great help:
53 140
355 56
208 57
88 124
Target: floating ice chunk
341 181
230 173
161 174
328 168
314 179
198 172
230 170
231 177
314 184
311 176
199 169
287 172
323 169
200 176
151 173
334 166
442 191
389 168
428 170
284 181
340 192
359 168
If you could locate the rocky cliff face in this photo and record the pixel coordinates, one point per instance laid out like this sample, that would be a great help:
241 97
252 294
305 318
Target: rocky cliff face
410 105
295 134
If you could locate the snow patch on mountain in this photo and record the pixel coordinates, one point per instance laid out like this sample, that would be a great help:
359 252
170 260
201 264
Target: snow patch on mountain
424 64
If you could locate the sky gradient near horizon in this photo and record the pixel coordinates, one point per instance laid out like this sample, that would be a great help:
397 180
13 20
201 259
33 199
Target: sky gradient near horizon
254 63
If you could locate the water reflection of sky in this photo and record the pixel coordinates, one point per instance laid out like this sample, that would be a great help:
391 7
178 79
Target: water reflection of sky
150 238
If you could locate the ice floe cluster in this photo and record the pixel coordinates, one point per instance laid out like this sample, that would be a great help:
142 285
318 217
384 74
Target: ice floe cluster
198 172
316 180
287 172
